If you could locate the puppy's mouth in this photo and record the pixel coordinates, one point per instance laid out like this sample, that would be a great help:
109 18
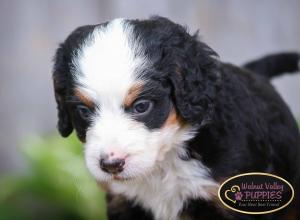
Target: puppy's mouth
119 178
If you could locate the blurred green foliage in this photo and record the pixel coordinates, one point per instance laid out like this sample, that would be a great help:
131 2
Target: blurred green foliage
56 184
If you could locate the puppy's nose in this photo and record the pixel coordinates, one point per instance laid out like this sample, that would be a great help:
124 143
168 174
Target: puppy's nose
113 166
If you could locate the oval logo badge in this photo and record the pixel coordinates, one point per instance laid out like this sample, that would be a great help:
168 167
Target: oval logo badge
256 193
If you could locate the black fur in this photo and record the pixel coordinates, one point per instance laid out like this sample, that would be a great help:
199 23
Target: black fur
121 209
275 64
176 56
161 105
63 81
242 123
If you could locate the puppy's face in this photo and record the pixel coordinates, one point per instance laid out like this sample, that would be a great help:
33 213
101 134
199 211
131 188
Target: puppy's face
114 85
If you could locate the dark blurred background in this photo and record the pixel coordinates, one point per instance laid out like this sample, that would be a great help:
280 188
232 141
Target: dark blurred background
31 31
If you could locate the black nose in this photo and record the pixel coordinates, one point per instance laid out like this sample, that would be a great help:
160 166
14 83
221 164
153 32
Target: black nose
113 166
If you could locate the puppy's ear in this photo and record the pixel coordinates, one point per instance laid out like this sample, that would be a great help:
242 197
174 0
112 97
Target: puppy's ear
196 82
60 74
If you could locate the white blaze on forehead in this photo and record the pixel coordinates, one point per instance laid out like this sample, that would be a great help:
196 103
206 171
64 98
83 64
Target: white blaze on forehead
107 61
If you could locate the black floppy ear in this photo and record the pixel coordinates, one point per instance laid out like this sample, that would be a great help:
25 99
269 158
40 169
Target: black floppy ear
60 74
196 82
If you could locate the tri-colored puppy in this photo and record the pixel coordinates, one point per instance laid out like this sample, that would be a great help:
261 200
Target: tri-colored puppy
164 121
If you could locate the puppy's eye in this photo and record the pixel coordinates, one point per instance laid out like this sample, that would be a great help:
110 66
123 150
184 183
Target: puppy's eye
84 112
142 107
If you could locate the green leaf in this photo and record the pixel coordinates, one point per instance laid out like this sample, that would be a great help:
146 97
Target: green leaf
56 183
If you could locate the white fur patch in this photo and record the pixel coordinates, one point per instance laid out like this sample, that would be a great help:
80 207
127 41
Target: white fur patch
106 64
165 191
106 68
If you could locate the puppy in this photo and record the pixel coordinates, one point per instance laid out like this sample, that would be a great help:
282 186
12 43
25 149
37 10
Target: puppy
164 121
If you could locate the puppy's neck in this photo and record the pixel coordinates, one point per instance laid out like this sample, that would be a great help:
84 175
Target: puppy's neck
165 190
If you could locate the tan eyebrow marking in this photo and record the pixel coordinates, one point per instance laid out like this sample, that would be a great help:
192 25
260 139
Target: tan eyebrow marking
132 94
84 99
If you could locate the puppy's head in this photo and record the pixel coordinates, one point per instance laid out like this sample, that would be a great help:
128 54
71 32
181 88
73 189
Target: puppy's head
133 90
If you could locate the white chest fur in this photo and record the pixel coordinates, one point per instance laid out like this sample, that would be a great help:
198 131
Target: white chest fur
166 189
